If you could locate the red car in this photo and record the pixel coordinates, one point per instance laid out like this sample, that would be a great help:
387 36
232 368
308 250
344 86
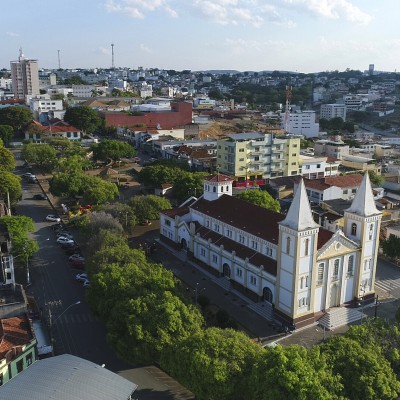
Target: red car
78 263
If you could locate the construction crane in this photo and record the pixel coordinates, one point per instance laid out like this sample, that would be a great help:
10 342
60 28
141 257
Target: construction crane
286 124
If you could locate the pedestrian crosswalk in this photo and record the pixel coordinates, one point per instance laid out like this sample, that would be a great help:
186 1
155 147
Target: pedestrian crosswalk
391 287
78 318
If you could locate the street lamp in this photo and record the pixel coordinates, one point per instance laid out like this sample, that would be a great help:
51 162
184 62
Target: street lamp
71 305
197 291
362 288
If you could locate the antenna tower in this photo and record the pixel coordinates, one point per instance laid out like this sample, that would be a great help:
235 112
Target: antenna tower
59 62
112 56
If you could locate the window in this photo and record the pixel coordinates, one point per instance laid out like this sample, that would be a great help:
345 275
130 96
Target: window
336 269
241 150
241 159
215 258
345 191
202 251
306 246
253 280
20 366
354 229
164 231
28 359
307 167
214 189
254 244
306 281
371 231
301 282
239 272
207 224
227 189
1 379
318 165
350 266
288 245
241 238
216 227
167 222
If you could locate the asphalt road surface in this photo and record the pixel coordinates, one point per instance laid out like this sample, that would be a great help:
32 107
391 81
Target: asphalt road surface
75 330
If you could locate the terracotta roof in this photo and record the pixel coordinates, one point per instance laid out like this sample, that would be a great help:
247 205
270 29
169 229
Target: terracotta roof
59 128
285 181
243 215
345 181
218 178
243 252
175 211
15 332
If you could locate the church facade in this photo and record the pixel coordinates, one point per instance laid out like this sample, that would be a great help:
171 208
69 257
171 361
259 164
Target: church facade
288 261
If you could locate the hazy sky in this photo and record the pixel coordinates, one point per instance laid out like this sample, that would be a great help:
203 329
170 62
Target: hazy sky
297 35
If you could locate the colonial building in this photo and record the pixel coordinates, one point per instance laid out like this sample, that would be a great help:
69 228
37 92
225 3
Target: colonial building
295 266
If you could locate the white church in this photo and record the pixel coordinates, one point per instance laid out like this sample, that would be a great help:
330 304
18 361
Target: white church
295 266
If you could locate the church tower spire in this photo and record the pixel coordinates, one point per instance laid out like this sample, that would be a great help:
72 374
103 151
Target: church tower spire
299 216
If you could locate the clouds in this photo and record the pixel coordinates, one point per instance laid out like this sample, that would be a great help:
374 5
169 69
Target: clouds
255 13
332 9
12 34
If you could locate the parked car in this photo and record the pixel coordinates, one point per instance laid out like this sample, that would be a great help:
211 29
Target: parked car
64 234
82 277
69 245
39 197
64 240
86 283
78 263
76 256
53 218
69 250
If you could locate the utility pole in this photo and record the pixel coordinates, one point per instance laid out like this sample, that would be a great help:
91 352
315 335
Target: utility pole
112 56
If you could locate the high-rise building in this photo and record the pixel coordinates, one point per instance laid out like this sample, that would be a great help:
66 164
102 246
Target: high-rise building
329 111
25 77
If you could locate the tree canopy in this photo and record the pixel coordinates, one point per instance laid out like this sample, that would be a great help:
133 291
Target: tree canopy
7 159
83 117
16 116
6 133
391 246
112 150
43 155
260 198
10 185
148 207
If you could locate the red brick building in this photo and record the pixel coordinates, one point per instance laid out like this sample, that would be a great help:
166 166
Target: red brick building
180 115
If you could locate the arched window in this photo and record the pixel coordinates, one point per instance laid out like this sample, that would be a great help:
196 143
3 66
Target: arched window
214 189
288 245
350 266
320 274
354 229
336 269
301 282
306 246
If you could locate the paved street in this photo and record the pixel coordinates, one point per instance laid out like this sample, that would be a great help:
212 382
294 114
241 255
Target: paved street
387 279
76 331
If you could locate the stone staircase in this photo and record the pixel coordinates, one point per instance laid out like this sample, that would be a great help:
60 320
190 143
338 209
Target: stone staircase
340 316
262 308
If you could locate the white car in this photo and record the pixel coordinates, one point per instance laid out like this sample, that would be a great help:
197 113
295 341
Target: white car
53 218
65 235
64 240
76 257
82 277
86 283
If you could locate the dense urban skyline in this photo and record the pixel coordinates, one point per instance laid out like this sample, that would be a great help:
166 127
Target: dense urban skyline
296 35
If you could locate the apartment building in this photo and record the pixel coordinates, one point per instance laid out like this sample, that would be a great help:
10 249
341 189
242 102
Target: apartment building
253 157
303 123
25 77
336 149
329 111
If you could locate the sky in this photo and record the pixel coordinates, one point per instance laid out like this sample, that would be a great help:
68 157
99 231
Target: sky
245 35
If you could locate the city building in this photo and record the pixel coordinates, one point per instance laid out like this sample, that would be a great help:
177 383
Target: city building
39 133
253 157
298 269
317 167
25 77
331 148
329 111
303 123
68 377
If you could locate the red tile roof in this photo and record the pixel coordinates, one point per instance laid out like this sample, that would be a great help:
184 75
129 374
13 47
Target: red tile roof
345 181
218 178
175 211
15 332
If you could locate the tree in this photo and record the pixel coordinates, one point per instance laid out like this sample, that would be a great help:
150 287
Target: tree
123 213
215 364
7 160
148 207
16 116
152 323
67 184
112 150
376 179
10 186
293 373
98 191
73 165
6 133
18 228
261 199
364 371
83 117
391 247
189 184
43 155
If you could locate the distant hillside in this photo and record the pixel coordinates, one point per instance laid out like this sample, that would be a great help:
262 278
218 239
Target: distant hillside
220 71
